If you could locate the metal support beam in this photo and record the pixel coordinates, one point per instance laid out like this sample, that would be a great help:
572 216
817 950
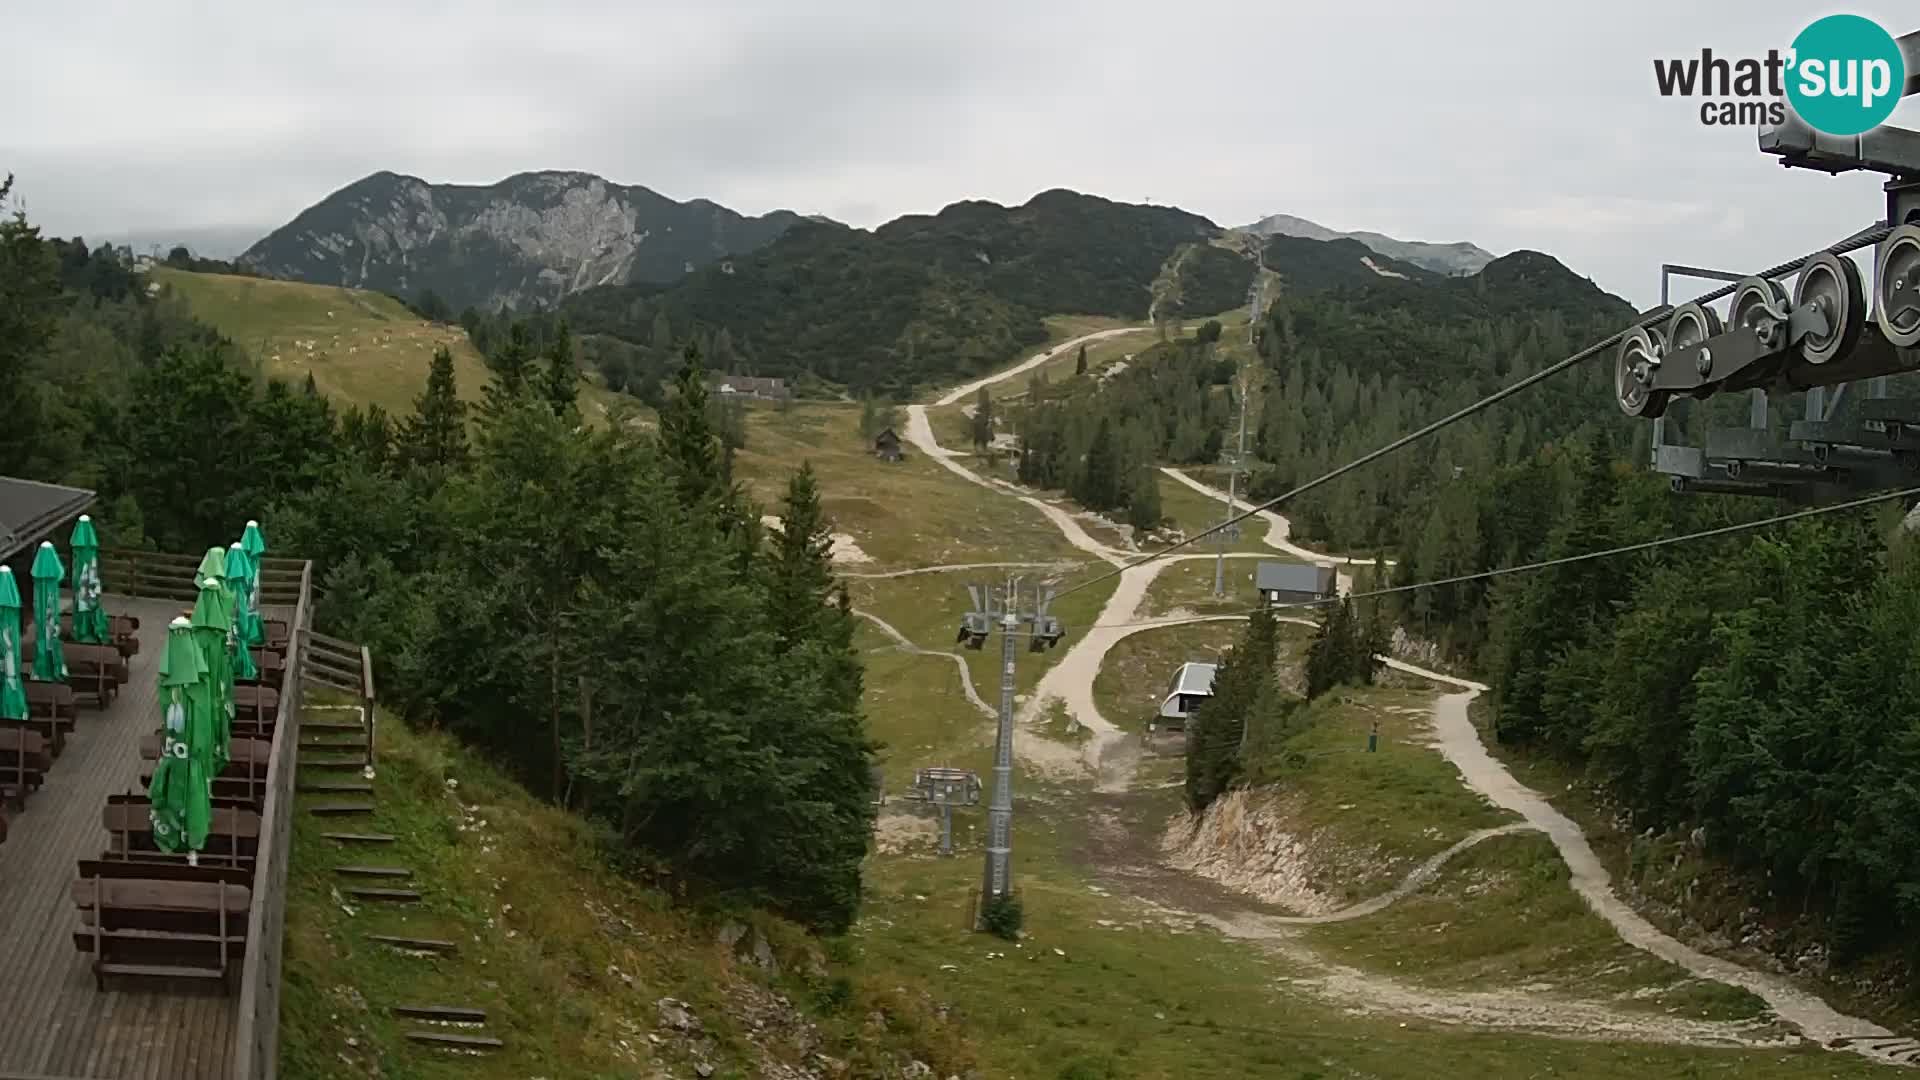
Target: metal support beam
1910 49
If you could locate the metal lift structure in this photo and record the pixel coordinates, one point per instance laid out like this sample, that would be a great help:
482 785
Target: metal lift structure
1817 339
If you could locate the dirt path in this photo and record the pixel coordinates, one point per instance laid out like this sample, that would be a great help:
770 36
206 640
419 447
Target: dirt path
920 434
1071 681
1460 742
1279 531
961 393
966 677
910 571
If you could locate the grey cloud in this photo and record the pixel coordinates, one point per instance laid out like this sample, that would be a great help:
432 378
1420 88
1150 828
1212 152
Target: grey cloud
1508 123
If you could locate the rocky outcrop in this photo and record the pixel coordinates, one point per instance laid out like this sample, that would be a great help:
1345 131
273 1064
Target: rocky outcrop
534 237
1451 259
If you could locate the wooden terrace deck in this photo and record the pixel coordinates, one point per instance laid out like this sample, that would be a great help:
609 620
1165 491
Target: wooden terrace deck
54 1023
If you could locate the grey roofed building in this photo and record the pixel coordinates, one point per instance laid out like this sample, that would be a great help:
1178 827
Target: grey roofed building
1293 583
1191 685
31 511
749 386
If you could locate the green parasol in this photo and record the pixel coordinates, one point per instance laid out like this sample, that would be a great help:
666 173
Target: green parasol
181 794
13 693
89 618
213 634
255 545
49 659
235 575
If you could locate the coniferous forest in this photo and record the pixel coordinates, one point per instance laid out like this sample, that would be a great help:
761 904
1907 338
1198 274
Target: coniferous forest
600 609
1758 693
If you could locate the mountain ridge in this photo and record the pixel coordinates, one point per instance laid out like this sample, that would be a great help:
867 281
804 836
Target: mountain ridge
531 238
1457 258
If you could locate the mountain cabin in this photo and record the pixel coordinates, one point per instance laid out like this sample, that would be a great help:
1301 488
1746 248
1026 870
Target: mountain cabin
886 446
1293 583
746 386
1192 685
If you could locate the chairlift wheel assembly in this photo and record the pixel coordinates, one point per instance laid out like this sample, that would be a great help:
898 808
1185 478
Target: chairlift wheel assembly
1759 303
1634 365
1832 284
1691 324
1896 286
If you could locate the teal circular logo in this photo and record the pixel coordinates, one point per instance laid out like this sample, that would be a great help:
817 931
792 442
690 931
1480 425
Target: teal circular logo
1845 75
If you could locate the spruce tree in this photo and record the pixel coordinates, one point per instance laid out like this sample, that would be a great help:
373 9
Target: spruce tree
982 421
561 386
1100 483
1143 505
687 436
435 436
1080 361
512 365
1217 729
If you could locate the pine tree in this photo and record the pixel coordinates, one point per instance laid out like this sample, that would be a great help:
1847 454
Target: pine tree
698 461
435 436
1100 483
1143 505
1218 728
561 387
311 389
512 365
982 420
1080 361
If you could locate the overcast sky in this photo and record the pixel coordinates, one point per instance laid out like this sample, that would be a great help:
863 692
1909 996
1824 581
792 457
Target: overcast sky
1524 124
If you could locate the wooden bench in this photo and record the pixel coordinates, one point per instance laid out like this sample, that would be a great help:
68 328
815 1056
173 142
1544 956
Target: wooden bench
232 834
270 665
98 670
244 778
257 707
162 927
123 629
23 763
51 711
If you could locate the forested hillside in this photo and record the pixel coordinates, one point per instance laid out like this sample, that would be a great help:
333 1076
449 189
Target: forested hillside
500 564
927 298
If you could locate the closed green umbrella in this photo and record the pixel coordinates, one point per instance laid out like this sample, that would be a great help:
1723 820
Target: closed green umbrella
13 693
89 618
235 575
181 795
49 659
255 545
212 634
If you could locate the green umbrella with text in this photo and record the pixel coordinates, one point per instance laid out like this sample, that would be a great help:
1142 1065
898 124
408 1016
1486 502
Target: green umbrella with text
13 692
213 635
255 545
49 659
181 795
89 618
235 575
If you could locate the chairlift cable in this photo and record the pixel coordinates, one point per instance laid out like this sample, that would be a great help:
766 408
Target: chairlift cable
1865 238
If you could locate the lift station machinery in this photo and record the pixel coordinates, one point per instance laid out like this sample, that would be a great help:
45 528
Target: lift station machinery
1825 337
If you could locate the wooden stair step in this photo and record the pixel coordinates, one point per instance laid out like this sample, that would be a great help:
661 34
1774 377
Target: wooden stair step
451 1041
452 1014
332 725
374 871
416 944
357 837
398 896
336 787
354 763
333 744
160 971
337 809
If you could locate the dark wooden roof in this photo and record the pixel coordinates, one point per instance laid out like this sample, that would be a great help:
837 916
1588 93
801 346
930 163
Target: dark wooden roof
886 436
29 510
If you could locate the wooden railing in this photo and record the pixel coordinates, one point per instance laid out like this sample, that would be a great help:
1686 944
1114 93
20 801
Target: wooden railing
164 576
256 1046
345 666
285 583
